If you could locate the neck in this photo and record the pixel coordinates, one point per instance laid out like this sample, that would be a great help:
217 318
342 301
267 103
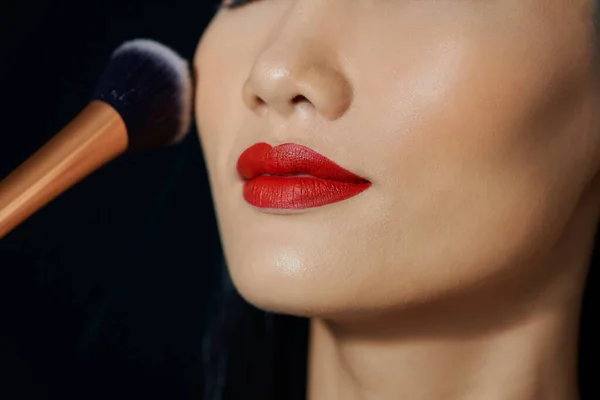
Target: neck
518 344
533 360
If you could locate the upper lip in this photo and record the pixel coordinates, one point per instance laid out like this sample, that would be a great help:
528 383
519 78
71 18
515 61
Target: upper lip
290 159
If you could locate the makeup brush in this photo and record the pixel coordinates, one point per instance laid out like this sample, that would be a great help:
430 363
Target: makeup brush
142 101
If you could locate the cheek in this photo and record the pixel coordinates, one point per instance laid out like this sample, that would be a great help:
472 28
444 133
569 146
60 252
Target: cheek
482 154
218 102
470 109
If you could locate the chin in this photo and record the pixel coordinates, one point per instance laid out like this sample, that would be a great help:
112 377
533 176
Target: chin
305 282
281 283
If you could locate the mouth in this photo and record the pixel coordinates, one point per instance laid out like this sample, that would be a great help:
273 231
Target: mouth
294 177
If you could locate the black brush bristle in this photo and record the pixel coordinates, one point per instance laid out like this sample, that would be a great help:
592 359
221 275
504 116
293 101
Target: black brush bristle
150 87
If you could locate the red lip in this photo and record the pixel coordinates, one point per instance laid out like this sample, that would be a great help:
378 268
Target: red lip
291 176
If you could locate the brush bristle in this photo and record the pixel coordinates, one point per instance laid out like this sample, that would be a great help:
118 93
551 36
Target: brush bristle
150 87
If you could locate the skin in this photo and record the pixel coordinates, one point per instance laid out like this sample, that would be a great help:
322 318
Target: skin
459 273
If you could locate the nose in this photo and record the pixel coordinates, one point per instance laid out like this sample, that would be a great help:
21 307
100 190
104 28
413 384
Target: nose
297 72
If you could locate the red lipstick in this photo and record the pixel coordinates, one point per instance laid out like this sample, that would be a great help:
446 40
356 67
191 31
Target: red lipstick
291 176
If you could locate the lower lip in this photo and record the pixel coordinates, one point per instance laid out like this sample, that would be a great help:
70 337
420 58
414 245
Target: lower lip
298 192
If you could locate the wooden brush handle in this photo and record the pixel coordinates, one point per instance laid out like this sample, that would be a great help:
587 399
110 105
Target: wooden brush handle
93 138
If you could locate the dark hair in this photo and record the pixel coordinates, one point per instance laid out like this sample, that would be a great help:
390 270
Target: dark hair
587 332
253 354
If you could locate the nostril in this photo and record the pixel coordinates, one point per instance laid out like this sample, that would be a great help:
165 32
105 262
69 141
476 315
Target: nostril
300 99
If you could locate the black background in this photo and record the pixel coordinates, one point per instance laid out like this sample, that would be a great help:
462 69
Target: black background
103 293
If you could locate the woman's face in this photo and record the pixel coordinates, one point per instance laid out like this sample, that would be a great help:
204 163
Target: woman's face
473 125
